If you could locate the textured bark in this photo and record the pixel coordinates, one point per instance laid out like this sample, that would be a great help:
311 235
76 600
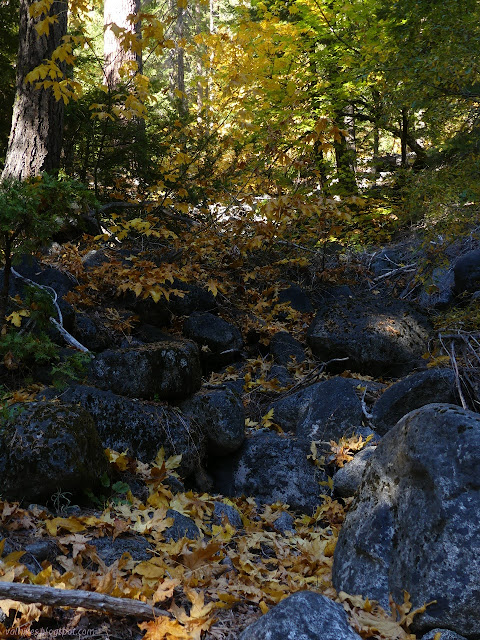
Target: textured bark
77 598
36 135
117 12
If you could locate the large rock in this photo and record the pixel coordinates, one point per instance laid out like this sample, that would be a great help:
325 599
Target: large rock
284 349
195 299
221 341
415 523
467 272
167 370
323 411
139 427
48 447
445 634
270 468
221 417
413 392
349 477
296 298
439 294
380 337
305 615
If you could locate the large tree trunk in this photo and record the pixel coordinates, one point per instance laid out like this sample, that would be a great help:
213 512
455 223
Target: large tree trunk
37 124
117 12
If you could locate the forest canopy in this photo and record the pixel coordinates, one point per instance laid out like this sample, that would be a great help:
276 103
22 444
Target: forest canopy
192 98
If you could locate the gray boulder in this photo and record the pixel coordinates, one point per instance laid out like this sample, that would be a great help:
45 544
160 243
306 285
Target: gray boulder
380 337
139 427
415 522
195 298
270 468
284 348
445 634
323 411
221 417
182 527
439 294
305 615
413 392
296 298
222 512
467 272
348 478
47 447
110 550
221 340
284 524
167 370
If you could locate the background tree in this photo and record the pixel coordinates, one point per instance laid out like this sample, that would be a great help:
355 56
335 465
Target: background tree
37 123
121 38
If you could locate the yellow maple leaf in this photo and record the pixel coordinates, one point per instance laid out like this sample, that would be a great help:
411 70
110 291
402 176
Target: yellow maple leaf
16 317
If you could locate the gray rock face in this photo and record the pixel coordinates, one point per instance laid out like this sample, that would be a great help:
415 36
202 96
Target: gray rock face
347 479
182 527
226 512
323 411
305 615
195 299
467 272
111 550
141 428
415 391
379 337
415 523
445 635
296 298
442 293
49 447
221 417
270 468
223 339
162 370
284 348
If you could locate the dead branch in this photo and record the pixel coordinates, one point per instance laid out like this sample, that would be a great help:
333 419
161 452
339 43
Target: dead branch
29 593
58 324
453 360
408 268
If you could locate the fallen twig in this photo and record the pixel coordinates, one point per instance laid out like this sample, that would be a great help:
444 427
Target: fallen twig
29 593
408 268
310 376
58 324
453 360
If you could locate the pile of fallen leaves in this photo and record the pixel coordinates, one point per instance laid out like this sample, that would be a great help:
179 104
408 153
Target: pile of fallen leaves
211 587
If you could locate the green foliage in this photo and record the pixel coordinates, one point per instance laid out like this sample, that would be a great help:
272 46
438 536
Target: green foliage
72 369
33 210
8 411
115 492
445 199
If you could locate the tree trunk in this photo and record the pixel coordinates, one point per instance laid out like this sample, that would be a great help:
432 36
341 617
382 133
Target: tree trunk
116 12
345 158
37 123
404 137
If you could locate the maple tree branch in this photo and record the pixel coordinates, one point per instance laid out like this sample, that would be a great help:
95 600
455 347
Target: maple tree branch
29 593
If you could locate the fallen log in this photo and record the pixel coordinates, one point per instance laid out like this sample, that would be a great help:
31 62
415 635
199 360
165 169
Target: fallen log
31 593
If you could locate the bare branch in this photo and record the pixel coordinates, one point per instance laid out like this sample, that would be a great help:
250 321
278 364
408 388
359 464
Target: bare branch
76 598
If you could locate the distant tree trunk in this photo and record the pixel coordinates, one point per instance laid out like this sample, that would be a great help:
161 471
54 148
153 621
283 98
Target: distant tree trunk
116 12
345 157
404 136
37 123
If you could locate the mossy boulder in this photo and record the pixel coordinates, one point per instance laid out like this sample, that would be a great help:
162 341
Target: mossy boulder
168 370
47 447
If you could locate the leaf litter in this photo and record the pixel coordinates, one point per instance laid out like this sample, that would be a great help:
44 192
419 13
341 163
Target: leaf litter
211 587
